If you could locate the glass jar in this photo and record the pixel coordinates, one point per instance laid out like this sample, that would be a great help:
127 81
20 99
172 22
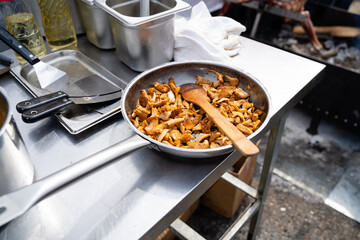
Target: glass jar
58 25
20 23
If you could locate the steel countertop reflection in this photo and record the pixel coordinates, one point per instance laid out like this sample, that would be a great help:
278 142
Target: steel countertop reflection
140 194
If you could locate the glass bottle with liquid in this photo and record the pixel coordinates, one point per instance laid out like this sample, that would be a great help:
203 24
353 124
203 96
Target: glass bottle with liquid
20 23
58 25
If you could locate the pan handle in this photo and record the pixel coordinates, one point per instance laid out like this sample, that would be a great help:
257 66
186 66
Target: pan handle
18 47
18 202
86 165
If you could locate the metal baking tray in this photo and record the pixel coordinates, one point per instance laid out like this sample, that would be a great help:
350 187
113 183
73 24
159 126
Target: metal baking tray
79 117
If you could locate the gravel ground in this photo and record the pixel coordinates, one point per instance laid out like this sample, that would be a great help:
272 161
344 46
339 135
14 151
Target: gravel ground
307 169
289 213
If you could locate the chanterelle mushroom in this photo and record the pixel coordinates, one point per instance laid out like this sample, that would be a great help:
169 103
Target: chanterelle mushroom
162 114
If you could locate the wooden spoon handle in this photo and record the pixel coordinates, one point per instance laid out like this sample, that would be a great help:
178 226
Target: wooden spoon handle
240 141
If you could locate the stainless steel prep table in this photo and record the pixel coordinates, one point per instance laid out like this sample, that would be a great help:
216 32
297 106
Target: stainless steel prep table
141 194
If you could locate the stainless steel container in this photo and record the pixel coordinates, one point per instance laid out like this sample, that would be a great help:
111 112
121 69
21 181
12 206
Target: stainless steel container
143 30
16 169
96 24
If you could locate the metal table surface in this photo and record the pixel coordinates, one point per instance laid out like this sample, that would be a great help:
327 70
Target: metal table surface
141 194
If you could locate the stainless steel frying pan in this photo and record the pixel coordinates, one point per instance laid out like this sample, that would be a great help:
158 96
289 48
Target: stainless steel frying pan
16 203
186 73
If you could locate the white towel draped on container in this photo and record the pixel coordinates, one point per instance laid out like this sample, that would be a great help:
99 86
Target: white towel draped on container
203 37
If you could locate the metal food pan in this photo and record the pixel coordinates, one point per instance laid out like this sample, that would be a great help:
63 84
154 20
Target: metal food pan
143 40
132 12
96 24
79 117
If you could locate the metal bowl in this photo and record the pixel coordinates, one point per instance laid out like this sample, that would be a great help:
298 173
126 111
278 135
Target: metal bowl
16 169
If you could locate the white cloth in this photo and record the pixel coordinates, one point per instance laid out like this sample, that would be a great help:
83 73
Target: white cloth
203 37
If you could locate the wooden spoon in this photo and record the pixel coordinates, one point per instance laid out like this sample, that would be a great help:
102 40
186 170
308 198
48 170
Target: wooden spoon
197 95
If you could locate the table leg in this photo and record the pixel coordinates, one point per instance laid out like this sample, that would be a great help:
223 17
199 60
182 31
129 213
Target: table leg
266 173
